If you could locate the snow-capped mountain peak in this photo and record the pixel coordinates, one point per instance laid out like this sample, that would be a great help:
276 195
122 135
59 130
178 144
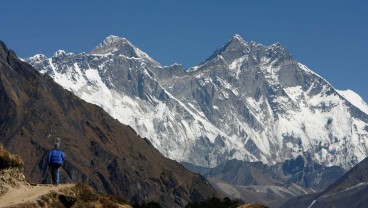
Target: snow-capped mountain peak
237 51
114 45
59 53
234 48
111 44
238 38
114 38
38 57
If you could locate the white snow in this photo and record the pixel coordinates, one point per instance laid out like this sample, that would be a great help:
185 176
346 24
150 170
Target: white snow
228 86
295 93
236 64
354 99
270 72
59 53
37 57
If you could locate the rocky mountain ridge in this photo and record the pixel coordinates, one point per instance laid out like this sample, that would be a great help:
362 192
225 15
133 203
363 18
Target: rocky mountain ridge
247 101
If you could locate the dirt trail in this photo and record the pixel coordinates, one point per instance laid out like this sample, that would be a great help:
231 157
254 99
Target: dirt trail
28 193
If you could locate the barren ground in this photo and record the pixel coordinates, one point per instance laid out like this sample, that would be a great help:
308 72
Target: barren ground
28 193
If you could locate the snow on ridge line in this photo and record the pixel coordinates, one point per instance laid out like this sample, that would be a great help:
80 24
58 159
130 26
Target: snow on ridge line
114 37
302 66
305 68
348 95
354 99
239 38
115 41
36 56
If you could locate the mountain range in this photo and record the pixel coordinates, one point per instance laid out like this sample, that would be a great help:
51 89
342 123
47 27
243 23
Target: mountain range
100 151
247 101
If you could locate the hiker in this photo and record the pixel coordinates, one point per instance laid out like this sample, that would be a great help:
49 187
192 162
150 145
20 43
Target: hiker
55 160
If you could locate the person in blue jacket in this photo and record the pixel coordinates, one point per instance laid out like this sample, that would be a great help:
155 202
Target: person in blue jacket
55 159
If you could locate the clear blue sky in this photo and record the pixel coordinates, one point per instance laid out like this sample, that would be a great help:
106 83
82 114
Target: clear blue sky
330 37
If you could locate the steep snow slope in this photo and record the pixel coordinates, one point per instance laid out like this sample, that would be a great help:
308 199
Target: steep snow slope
355 99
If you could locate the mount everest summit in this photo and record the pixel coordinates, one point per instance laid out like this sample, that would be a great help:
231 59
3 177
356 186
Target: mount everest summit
247 101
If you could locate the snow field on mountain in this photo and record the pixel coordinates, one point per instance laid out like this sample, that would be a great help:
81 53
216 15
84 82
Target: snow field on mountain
355 99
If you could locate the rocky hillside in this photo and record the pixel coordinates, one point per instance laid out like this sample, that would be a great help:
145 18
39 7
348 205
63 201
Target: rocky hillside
100 151
15 191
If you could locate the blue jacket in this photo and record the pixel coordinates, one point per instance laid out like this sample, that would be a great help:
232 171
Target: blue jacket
55 156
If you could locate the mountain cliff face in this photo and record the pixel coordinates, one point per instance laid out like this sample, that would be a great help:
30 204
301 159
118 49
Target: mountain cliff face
100 150
348 191
247 101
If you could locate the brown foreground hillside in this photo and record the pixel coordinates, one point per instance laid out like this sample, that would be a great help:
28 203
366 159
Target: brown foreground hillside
15 191
100 151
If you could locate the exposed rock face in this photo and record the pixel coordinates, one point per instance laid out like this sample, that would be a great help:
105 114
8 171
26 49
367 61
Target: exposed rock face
348 191
100 151
247 101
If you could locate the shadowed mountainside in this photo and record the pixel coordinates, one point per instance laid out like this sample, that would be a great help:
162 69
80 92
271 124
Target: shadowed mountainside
271 185
100 151
348 191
